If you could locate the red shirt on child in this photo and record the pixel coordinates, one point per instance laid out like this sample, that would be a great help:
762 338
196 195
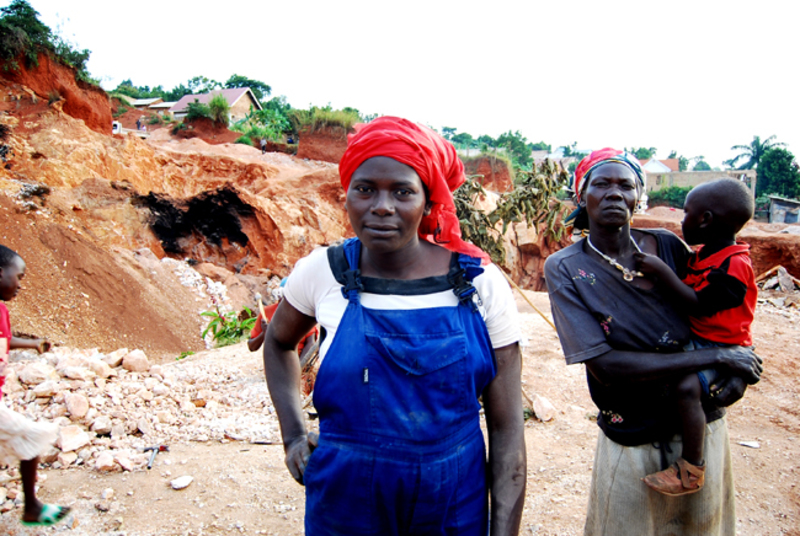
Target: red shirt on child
270 312
725 276
5 343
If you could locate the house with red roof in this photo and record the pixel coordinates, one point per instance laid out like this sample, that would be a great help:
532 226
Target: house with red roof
669 165
240 99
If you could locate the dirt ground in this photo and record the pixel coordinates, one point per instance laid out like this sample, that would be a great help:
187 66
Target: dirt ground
243 488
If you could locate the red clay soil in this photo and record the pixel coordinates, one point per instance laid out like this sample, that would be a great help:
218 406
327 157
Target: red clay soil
327 144
80 295
495 172
208 131
81 100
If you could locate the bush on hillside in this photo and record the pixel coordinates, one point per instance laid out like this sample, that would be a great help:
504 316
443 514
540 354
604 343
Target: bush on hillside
197 110
671 196
244 140
219 109
23 34
318 118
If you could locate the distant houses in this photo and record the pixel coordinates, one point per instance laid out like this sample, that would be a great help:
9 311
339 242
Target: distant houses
240 99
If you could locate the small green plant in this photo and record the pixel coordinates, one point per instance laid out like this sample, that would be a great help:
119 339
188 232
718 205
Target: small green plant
219 109
53 96
229 328
197 110
245 140
317 118
671 196
178 127
184 355
121 109
154 119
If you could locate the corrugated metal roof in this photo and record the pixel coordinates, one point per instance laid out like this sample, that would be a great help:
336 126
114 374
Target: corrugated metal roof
162 105
231 95
146 102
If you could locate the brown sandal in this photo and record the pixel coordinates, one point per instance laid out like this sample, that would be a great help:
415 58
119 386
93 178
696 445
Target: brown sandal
682 478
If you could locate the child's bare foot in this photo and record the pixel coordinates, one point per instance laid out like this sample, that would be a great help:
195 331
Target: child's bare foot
682 478
44 514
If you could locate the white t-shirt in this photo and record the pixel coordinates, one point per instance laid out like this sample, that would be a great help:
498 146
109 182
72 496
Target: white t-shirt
313 290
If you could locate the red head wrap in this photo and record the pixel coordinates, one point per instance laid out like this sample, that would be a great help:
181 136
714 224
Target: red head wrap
603 156
435 161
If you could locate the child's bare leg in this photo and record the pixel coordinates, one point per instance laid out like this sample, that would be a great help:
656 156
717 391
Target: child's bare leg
693 419
27 469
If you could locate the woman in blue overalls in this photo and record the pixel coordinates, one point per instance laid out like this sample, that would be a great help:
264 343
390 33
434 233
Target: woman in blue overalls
419 325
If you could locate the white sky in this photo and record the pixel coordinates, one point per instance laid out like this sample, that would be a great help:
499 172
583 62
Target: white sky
696 76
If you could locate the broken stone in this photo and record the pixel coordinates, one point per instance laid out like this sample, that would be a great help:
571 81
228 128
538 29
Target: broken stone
124 462
543 409
104 462
36 373
72 438
181 482
46 389
114 359
102 425
136 361
77 405
785 281
67 458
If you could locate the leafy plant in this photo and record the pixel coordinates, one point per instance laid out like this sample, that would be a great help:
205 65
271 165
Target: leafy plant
245 140
154 119
671 196
178 127
184 355
219 109
197 110
533 200
229 328
53 96
316 118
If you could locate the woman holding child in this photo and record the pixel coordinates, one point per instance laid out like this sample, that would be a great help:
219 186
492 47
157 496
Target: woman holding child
625 329
419 325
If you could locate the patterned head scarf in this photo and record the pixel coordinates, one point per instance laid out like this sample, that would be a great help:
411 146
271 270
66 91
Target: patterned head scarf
435 161
596 159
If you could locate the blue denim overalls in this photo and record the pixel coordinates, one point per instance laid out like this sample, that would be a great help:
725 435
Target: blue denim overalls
401 451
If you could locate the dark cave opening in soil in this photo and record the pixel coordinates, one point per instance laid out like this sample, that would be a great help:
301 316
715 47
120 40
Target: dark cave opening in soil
214 215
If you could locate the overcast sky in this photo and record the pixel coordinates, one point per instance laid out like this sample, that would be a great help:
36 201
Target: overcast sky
693 76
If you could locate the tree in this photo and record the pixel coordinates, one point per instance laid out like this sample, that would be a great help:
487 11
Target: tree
486 140
517 146
778 174
463 138
753 152
643 153
21 32
448 132
259 89
683 162
201 84
540 146
701 165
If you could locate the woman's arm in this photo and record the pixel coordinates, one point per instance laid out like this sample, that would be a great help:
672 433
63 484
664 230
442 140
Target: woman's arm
507 462
623 366
282 367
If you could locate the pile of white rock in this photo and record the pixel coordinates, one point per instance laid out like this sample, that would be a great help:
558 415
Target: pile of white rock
110 407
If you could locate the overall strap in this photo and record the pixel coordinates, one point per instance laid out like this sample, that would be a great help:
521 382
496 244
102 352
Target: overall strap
463 271
343 260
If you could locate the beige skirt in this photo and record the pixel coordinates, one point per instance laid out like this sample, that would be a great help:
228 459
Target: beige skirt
22 438
620 504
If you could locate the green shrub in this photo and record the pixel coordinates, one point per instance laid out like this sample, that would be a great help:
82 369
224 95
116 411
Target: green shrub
121 109
317 118
229 328
245 140
178 127
671 196
197 110
154 119
219 109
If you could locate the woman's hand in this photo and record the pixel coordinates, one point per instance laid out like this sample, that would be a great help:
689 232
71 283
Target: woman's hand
298 452
743 362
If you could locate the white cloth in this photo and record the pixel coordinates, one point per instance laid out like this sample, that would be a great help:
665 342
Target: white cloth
620 504
313 290
22 438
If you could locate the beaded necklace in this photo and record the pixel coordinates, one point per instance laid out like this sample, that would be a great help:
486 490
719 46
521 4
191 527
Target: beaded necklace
627 275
